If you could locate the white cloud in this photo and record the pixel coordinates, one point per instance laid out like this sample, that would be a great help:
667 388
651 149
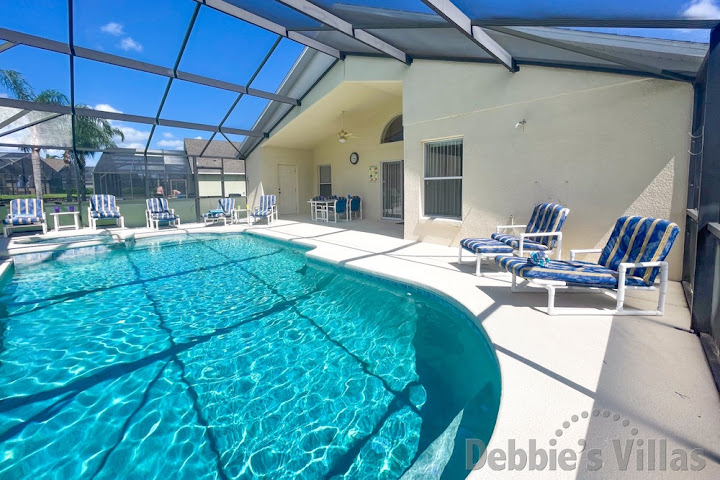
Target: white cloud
128 44
134 138
113 28
104 107
4 95
171 144
168 135
702 9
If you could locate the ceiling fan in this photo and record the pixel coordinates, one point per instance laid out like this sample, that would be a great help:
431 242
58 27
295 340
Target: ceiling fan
343 136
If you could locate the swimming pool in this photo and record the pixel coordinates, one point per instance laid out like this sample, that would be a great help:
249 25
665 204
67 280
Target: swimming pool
229 356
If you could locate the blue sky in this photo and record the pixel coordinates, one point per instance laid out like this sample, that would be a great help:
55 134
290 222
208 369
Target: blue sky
219 47
228 49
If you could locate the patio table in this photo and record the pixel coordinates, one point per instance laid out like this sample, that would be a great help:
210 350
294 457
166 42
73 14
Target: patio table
314 209
56 222
236 215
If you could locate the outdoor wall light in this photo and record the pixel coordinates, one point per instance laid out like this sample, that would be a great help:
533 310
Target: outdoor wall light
521 123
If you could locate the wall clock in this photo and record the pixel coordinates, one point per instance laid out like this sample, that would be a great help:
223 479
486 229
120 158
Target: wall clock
354 158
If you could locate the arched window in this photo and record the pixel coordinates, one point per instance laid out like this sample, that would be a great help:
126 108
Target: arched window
393 131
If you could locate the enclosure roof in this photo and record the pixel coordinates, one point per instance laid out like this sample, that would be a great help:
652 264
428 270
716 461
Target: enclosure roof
214 149
128 160
230 70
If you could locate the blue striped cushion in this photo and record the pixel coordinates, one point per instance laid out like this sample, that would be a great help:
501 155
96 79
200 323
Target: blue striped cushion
639 239
484 245
226 204
266 202
27 207
157 205
514 242
102 202
163 216
106 214
546 217
22 220
261 213
103 206
573 273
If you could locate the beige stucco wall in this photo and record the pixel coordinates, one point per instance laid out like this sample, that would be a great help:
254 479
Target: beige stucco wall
262 173
604 145
355 179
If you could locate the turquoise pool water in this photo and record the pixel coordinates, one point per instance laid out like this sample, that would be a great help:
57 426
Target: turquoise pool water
233 357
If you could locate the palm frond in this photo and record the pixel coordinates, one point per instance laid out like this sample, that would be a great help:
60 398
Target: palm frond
16 84
52 96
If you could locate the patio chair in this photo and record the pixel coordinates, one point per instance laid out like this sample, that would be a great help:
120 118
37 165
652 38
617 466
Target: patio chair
318 208
158 211
338 207
542 233
266 209
631 259
24 213
104 207
224 210
355 206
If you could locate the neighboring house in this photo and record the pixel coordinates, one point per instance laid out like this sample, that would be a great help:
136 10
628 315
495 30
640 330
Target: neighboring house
220 172
16 174
127 175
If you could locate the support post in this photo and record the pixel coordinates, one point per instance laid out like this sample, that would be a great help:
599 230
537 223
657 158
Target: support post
706 260
197 189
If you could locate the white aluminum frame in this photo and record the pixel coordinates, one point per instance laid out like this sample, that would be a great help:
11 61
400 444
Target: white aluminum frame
7 229
552 286
56 220
359 212
149 220
273 213
479 257
330 207
120 221
235 215
212 220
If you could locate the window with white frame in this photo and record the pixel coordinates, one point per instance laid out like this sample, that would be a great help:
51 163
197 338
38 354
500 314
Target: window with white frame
443 178
325 187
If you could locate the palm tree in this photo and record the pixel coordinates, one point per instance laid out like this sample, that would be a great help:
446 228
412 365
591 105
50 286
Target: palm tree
90 132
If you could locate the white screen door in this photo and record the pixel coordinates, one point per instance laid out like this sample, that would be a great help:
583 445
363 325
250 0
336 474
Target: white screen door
392 190
287 189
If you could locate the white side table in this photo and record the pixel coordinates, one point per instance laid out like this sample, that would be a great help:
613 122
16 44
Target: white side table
236 215
56 222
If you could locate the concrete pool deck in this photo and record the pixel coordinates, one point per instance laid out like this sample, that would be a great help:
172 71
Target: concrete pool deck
650 371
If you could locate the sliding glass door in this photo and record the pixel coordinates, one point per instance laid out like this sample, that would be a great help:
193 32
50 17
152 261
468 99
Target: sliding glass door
392 190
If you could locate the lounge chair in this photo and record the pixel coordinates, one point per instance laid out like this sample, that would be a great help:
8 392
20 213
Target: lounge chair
632 258
24 213
224 210
104 207
266 209
542 233
158 211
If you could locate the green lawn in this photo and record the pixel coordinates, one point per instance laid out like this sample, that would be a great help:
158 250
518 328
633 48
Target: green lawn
47 196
